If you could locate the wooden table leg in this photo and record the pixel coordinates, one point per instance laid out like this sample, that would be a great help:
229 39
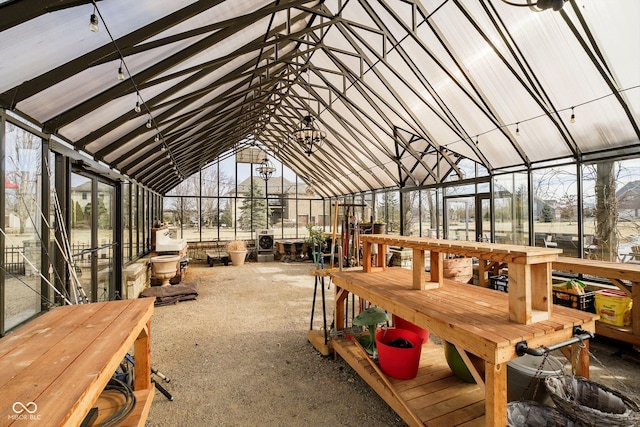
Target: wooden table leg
482 271
496 394
341 295
142 354
366 257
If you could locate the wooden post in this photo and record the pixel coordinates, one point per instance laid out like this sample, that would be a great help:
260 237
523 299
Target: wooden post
142 354
418 269
334 232
496 398
341 295
437 267
530 292
366 256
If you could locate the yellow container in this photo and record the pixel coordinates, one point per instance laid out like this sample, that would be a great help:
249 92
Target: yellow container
614 307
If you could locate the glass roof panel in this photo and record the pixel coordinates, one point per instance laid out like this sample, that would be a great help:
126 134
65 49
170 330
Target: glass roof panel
218 13
71 92
115 109
617 46
122 131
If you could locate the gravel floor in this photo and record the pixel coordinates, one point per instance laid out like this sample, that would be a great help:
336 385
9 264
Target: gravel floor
239 356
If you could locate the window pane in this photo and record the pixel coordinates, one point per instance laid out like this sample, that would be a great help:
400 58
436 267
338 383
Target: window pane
556 209
105 240
22 252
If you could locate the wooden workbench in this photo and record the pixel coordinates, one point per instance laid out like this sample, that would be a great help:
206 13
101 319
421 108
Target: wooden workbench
57 366
618 273
480 322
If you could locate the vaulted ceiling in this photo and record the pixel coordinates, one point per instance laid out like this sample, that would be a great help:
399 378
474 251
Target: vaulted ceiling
404 89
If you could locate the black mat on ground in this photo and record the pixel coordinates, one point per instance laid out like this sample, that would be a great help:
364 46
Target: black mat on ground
172 294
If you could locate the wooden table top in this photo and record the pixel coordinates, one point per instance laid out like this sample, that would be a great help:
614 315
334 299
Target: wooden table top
474 317
607 269
489 251
57 358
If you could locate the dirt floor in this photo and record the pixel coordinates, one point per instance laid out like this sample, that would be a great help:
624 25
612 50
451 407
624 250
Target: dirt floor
239 356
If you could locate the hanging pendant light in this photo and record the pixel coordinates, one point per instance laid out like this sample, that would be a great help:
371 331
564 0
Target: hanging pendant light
265 169
93 21
309 135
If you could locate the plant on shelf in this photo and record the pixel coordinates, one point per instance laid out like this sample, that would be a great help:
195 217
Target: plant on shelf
371 318
315 241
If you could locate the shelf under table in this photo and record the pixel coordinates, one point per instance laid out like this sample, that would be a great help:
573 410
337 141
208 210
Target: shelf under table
474 319
435 396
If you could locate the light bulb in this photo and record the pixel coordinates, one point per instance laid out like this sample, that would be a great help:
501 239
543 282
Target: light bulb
93 23
163 149
149 124
573 117
120 73
137 108
157 138
517 129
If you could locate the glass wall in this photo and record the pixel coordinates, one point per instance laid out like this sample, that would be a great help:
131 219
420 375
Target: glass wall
80 234
555 209
105 240
126 223
429 226
611 210
21 264
234 209
511 207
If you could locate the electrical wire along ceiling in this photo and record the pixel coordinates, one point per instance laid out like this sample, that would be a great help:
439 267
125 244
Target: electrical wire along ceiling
403 90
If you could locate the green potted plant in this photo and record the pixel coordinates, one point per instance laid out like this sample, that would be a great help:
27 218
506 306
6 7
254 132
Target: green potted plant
315 242
371 318
237 252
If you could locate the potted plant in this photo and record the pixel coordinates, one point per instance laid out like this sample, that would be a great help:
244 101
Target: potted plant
371 317
315 242
379 227
237 252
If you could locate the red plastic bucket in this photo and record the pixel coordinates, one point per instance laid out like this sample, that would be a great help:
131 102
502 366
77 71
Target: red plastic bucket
401 363
400 323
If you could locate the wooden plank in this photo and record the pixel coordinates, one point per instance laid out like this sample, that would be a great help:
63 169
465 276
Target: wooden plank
20 336
620 333
346 349
418 269
110 401
488 251
334 230
142 352
496 401
470 415
19 350
479 319
85 346
449 401
52 364
100 360
607 269
443 395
